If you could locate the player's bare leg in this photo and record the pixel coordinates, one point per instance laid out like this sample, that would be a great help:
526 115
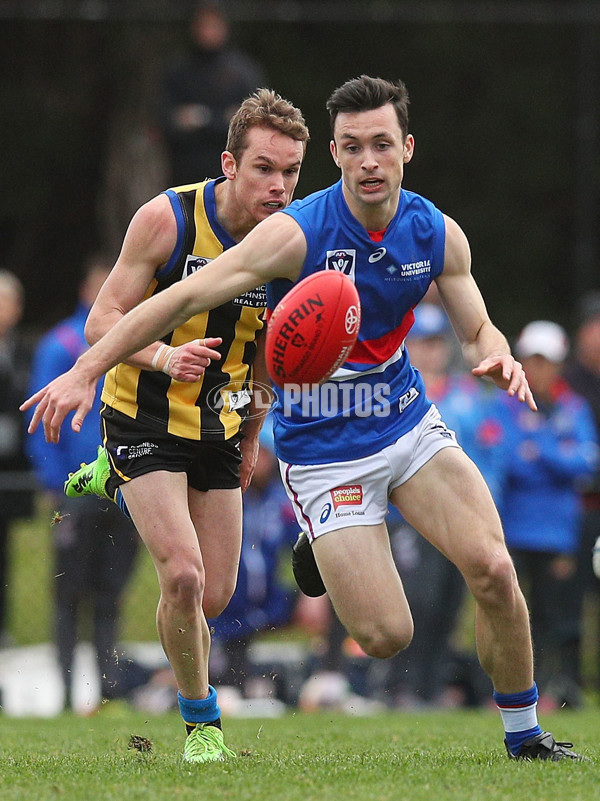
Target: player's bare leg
364 587
217 517
169 533
196 555
450 504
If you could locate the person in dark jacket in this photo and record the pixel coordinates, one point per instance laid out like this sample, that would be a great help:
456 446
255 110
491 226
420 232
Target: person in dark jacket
201 91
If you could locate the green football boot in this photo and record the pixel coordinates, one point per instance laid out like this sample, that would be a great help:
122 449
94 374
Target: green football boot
205 744
91 478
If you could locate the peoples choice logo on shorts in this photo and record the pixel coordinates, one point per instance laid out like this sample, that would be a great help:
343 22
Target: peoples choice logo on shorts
352 495
343 260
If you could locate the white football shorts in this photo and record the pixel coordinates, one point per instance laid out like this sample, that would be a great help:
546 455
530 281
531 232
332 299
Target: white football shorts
328 497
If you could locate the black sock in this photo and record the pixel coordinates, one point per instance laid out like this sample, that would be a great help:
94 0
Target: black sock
216 723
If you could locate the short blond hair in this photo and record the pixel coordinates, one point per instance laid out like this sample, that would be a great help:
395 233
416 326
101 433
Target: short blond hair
266 109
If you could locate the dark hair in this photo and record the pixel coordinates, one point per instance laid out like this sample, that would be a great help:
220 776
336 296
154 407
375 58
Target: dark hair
265 108
366 94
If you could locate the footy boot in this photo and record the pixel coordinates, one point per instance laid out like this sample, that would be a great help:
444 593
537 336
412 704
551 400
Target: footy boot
544 746
91 478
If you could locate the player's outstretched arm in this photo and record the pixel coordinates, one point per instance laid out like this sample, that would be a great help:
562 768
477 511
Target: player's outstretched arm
73 390
276 250
484 347
149 242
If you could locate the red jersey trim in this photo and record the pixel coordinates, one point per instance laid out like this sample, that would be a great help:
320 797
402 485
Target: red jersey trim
377 351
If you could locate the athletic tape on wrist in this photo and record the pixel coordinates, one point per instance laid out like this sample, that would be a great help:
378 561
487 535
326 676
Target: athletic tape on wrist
162 359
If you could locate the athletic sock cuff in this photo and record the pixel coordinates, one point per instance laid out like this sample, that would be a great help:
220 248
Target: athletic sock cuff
516 700
199 710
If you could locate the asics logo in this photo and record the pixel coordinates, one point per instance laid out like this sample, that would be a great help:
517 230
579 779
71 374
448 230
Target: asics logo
377 255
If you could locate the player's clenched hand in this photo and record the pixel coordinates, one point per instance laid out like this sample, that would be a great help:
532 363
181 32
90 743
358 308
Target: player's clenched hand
188 361
71 390
508 374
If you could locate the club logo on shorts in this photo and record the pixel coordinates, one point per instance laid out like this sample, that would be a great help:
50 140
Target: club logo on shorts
351 495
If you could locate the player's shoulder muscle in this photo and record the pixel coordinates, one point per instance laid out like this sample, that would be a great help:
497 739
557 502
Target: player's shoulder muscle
457 253
152 233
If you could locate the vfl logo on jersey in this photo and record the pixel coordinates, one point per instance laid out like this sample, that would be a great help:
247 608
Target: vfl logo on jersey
351 495
344 261
257 298
376 255
193 264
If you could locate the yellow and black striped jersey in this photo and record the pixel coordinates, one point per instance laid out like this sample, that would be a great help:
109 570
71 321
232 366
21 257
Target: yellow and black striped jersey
213 407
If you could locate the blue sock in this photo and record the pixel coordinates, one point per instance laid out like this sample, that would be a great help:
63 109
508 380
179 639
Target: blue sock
199 710
120 501
519 716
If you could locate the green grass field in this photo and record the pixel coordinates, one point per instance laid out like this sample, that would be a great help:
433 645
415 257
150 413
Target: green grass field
413 757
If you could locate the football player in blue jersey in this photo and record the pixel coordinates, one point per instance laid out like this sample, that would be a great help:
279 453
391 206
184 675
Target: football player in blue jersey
341 466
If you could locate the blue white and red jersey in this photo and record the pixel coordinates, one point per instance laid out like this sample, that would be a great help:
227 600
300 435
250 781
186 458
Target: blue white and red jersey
375 396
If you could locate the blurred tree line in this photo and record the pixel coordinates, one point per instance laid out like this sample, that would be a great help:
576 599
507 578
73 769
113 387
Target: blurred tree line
504 112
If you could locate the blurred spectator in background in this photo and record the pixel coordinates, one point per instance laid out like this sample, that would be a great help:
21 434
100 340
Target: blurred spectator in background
15 493
201 92
549 456
431 670
94 544
582 372
263 599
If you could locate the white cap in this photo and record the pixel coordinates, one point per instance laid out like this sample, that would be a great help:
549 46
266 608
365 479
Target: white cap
542 338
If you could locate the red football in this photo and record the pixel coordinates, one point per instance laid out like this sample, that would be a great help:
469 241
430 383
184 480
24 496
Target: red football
312 329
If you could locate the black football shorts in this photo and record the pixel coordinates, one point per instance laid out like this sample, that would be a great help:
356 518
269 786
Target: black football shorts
134 449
